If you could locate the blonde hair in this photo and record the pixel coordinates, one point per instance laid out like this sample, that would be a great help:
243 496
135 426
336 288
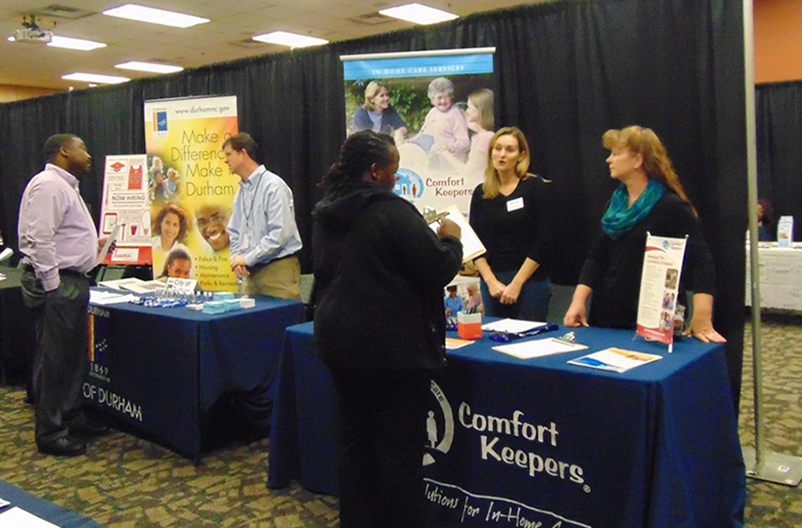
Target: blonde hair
656 163
482 99
371 91
492 183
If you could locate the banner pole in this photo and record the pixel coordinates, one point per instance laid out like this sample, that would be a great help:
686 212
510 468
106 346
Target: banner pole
772 467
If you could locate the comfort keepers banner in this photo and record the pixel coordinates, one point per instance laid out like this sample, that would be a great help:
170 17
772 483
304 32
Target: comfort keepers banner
190 187
498 457
438 105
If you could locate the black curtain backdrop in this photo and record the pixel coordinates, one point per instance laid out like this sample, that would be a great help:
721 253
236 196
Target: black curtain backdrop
779 148
567 71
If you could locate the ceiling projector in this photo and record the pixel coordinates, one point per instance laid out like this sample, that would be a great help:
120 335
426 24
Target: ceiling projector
35 34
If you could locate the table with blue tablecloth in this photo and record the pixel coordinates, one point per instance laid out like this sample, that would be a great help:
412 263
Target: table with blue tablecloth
521 442
158 370
41 508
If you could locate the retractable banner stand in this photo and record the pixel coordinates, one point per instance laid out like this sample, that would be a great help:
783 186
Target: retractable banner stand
438 105
659 290
190 186
125 204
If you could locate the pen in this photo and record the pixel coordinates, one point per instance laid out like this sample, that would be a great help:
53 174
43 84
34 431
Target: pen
437 217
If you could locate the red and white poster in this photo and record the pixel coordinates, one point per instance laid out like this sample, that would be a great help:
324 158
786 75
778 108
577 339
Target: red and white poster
659 287
125 203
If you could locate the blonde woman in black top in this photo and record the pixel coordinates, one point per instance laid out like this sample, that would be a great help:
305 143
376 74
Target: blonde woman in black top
509 213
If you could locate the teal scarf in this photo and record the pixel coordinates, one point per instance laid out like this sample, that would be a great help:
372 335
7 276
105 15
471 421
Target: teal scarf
620 217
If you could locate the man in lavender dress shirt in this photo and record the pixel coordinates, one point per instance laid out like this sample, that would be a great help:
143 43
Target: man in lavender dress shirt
58 239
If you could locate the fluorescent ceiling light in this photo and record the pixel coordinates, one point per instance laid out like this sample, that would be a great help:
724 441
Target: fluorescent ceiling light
155 16
95 78
149 67
292 40
418 14
74 43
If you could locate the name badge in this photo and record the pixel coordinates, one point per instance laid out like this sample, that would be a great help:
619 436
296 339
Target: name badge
514 205
246 242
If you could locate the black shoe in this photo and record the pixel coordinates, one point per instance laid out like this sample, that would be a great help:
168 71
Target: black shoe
64 446
91 429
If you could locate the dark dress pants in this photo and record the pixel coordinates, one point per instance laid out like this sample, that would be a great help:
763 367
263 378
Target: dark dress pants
61 360
382 436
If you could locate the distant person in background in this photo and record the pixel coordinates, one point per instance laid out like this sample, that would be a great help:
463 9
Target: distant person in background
453 302
766 222
58 239
444 124
378 114
510 213
178 264
479 116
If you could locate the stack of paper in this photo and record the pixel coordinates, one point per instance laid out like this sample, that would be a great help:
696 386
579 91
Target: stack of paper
539 348
512 326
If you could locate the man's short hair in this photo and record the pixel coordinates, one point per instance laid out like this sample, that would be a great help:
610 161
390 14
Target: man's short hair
54 144
242 141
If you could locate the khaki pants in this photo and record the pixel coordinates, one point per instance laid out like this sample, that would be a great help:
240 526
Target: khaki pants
280 278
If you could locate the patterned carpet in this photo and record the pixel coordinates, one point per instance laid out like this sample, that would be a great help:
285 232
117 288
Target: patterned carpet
125 482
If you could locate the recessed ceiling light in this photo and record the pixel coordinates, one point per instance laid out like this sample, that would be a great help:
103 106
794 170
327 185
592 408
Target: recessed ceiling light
419 14
95 78
74 43
155 16
149 67
292 40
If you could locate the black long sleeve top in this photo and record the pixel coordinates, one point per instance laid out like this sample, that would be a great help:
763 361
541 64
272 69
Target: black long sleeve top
613 267
515 227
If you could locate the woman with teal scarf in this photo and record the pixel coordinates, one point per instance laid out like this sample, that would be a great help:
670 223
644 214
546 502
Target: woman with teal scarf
649 198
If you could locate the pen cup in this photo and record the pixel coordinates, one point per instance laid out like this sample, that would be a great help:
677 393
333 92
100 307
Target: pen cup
469 325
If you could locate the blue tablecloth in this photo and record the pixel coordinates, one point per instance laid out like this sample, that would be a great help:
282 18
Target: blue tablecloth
517 442
41 508
160 369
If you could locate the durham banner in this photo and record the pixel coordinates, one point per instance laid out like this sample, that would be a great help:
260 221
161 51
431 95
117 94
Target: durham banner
190 186
438 105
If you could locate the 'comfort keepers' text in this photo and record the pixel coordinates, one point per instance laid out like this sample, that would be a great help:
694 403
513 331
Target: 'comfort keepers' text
492 445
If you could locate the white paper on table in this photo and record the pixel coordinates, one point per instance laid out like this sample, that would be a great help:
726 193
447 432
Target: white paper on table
102 298
18 518
3 502
539 348
512 326
615 359
109 241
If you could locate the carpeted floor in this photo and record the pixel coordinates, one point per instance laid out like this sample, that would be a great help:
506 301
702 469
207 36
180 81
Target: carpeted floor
125 482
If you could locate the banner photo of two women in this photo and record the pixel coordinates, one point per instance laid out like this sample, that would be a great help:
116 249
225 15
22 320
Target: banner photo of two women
438 107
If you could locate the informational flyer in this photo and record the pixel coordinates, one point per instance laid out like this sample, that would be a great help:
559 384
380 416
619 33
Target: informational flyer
190 187
659 287
438 106
125 204
615 359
